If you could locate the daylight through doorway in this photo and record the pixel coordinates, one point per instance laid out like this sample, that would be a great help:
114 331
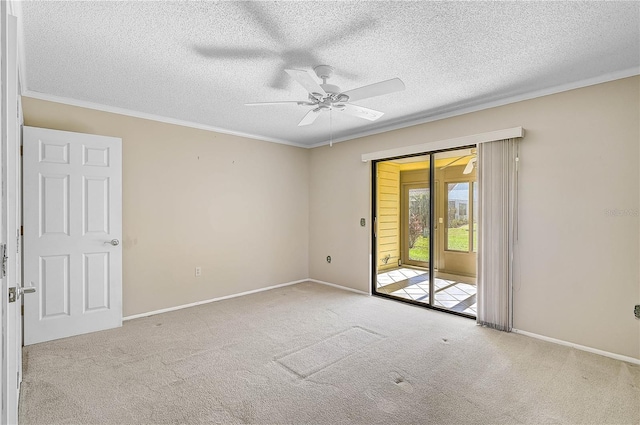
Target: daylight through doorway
425 229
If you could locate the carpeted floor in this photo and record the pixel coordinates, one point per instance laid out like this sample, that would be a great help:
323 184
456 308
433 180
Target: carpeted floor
313 354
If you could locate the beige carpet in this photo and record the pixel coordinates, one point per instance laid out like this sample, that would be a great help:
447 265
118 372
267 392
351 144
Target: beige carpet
309 353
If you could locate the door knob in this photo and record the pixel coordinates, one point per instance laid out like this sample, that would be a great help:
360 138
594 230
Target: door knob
27 290
113 242
21 291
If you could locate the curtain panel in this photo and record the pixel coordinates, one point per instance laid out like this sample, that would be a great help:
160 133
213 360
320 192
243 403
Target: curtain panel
497 232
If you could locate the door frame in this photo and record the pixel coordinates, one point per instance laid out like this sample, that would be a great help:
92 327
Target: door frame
10 176
432 227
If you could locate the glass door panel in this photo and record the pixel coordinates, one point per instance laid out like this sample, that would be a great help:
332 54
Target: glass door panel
402 228
454 257
425 229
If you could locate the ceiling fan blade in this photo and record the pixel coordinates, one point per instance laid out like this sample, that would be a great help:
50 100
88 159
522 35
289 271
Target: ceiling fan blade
449 164
469 168
350 30
361 112
310 117
261 17
284 102
279 79
376 89
234 52
306 80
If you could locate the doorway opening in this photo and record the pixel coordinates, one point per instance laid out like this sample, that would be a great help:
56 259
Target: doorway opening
425 229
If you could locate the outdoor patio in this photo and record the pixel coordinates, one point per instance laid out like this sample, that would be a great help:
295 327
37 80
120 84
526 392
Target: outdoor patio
413 284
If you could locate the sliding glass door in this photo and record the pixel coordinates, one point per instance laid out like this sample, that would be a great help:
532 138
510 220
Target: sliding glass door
425 234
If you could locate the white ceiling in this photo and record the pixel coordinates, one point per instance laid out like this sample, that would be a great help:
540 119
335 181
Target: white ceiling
199 62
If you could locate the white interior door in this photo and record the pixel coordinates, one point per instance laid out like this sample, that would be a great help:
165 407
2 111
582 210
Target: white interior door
72 230
10 272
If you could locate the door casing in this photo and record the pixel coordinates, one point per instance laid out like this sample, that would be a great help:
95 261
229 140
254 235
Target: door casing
10 222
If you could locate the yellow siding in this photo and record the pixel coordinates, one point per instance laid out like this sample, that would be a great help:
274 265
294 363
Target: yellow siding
388 215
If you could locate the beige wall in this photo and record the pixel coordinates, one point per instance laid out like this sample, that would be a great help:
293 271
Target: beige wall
255 214
234 206
577 264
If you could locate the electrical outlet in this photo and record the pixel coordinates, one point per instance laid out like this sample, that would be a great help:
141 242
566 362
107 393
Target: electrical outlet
198 271
636 311
328 259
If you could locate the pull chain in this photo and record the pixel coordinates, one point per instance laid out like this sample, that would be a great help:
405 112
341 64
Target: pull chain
330 128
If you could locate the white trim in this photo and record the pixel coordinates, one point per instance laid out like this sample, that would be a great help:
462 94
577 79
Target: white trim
579 347
15 8
240 294
473 139
346 288
433 116
436 115
152 117
180 307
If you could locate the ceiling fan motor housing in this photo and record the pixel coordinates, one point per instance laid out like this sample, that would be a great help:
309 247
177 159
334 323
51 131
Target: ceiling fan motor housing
334 97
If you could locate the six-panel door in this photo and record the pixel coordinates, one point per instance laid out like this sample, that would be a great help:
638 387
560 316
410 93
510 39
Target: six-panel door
72 229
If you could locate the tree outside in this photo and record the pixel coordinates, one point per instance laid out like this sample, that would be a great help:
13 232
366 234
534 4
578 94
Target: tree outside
419 205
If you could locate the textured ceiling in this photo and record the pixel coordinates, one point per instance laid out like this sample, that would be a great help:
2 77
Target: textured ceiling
200 62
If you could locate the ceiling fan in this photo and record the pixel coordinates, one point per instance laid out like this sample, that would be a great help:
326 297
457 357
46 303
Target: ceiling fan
469 168
328 97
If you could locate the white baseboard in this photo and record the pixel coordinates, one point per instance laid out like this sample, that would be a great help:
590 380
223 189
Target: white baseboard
180 307
579 347
346 288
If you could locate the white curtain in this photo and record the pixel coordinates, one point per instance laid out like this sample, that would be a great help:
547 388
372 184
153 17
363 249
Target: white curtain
497 231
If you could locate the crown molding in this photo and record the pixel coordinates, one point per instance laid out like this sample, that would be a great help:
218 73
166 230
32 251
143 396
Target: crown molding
435 116
152 117
631 72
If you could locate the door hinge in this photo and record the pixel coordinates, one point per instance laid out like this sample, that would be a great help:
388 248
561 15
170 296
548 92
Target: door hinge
3 257
21 231
20 150
22 310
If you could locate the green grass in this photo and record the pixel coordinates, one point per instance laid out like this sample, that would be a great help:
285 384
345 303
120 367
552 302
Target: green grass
420 250
475 237
458 239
